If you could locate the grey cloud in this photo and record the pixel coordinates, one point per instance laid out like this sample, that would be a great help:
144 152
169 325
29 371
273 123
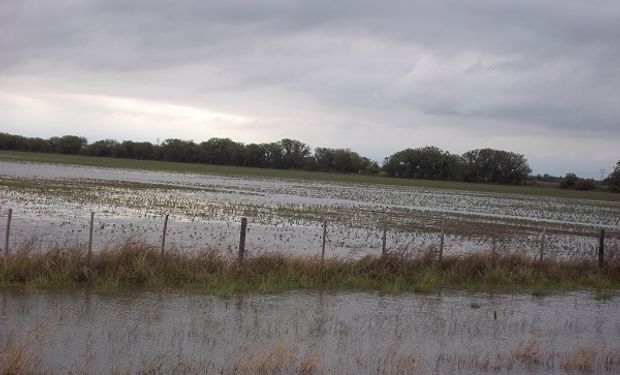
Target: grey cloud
548 65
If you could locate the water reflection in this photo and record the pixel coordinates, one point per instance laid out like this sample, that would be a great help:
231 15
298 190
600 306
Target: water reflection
347 332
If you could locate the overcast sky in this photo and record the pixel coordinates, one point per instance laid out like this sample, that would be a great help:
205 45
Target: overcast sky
541 78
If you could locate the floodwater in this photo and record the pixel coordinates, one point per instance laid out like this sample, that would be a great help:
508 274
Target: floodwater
344 333
286 215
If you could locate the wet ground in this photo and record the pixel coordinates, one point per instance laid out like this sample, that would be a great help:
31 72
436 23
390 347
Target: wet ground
52 204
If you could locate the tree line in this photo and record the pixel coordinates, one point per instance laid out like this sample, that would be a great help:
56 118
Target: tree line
284 154
480 165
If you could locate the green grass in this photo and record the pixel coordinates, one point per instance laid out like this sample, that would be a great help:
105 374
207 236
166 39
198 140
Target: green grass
138 266
299 175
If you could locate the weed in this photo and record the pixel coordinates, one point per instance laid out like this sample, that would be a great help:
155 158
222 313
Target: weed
20 353
579 359
134 265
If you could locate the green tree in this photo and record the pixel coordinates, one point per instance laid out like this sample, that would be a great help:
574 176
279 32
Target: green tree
568 181
294 153
71 144
274 154
613 181
425 162
341 160
177 150
101 148
255 155
585 184
141 150
12 142
222 151
489 165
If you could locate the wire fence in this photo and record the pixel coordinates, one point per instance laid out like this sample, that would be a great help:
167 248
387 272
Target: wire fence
96 231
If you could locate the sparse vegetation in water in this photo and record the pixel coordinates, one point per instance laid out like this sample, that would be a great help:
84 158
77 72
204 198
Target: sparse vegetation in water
20 353
280 356
285 215
137 265
603 294
298 175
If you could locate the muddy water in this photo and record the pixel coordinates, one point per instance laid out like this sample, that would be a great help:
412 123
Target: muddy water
272 190
286 215
339 333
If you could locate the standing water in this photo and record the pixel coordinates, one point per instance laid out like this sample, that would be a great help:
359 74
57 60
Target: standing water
344 333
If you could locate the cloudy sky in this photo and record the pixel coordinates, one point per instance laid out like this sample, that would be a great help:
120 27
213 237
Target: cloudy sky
537 77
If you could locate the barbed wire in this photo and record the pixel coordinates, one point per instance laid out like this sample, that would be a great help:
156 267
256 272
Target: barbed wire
352 241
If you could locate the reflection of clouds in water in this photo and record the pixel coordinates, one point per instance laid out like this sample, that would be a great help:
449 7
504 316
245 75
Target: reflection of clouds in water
284 214
354 329
264 191
343 241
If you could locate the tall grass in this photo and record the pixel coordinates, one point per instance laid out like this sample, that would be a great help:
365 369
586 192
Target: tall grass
19 354
281 357
134 265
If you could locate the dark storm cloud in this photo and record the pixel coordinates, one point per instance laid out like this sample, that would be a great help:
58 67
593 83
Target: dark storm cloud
548 66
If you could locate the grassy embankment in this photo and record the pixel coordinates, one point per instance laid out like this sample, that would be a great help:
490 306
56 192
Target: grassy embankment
296 174
139 266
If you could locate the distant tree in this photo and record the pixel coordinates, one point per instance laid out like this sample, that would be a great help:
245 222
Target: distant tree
177 150
613 181
426 162
489 165
71 144
12 142
140 150
255 155
310 164
294 153
37 145
274 155
221 151
483 165
341 160
585 184
101 148
53 144
568 181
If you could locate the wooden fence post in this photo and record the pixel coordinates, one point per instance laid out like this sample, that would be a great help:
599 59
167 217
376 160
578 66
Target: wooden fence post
90 235
324 239
493 250
8 231
441 240
542 246
244 225
601 249
384 243
163 238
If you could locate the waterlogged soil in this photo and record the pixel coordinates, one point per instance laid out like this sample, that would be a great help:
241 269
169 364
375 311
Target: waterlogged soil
348 333
52 203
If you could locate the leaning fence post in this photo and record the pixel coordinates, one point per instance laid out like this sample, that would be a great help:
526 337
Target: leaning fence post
163 238
324 239
601 249
8 231
441 239
90 235
384 243
542 245
244 224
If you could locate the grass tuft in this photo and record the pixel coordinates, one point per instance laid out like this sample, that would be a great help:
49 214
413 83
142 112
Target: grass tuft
136 265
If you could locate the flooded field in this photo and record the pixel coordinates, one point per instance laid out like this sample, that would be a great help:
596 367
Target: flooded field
52 204
318 333
302 332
